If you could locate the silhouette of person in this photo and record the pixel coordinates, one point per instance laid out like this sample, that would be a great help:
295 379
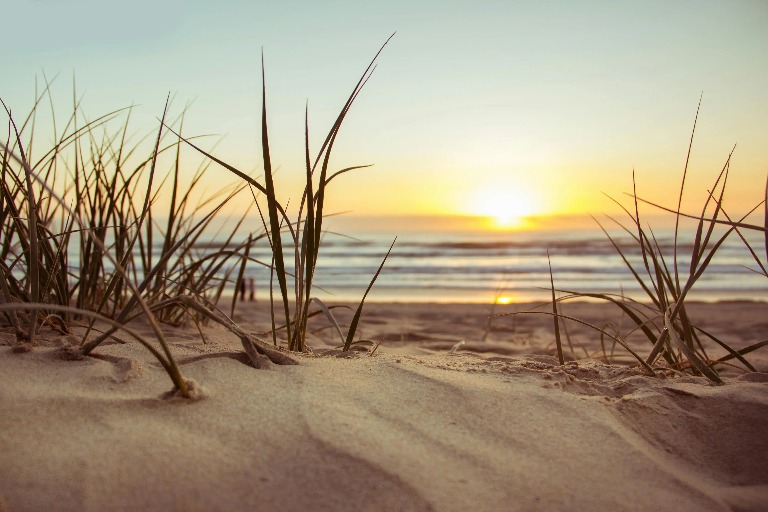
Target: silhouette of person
242 289
252 289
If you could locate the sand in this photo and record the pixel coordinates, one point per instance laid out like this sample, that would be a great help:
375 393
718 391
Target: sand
493 425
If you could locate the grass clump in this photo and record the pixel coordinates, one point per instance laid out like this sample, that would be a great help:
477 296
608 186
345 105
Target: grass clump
80 227
660 315
299 240
84 241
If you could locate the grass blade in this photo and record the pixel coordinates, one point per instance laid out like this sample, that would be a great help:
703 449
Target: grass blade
555 315
274 220
359 311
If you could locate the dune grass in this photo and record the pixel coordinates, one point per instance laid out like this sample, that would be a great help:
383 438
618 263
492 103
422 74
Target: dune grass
80 224
661 315
81 228
303 235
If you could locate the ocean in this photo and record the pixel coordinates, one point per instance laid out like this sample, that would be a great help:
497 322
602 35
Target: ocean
484 267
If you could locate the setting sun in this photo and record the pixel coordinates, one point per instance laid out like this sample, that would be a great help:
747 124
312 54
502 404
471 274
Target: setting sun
506 208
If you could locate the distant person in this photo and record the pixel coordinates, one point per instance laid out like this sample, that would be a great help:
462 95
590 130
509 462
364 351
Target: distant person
252 289
242 289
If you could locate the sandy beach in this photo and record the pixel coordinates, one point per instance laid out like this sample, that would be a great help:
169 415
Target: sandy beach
495 424
194 195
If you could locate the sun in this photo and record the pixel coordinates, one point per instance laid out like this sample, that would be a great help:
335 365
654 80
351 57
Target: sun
506 208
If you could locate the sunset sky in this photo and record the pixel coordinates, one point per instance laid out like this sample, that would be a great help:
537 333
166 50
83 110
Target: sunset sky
544 105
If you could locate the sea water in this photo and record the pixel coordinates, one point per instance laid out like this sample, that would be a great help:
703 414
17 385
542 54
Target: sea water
488 266
460 266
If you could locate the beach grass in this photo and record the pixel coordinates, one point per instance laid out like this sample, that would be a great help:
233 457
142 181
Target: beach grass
82 226
299 238
661 315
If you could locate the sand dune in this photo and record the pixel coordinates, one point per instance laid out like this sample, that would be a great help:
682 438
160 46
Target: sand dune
496 425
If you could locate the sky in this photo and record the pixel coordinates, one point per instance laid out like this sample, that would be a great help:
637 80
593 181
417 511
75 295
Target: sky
476 107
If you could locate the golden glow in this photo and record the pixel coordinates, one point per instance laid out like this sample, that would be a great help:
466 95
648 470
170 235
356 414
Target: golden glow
506 208
504 299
